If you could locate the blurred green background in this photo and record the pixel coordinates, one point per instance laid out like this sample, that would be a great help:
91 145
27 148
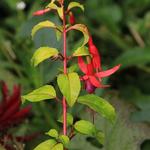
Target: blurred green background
121 31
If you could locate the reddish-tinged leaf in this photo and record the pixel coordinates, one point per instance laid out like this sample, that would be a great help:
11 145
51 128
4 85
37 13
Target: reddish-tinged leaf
82 65
108 72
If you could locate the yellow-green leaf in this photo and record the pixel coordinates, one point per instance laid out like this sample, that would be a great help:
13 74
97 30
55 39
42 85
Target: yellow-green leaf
60 12
44 24
69 86
82 28
99 105
64 139
42 54
57 147
46 145
55 7
75 4
81 51
40 94
85 127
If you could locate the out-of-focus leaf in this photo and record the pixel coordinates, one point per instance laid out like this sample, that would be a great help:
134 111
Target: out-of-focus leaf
134 57
141 116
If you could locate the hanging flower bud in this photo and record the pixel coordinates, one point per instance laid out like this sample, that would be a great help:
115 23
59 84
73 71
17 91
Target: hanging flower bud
41 12
71 18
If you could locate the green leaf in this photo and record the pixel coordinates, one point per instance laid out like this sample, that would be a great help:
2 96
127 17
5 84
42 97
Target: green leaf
64 139
53 133
99 105
46 145
69 119
69 86
100 137
57 147
43 93
44 24
81 51
42 54
85 127
83 29
75 4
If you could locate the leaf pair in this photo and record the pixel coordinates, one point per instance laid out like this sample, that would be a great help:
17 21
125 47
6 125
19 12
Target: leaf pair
59 138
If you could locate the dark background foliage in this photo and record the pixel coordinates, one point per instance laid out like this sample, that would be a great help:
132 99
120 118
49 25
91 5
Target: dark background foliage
121 31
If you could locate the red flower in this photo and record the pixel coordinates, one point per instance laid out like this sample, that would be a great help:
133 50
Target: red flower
41 12
93 79
96 60
71 18
10 112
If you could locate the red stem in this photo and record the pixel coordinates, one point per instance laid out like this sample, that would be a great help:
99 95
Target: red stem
65 72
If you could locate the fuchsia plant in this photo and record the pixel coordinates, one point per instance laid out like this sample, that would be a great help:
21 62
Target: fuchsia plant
69 82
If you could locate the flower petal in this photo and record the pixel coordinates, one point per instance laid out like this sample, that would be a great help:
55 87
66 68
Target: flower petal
107 73
96 60
94 81
82 65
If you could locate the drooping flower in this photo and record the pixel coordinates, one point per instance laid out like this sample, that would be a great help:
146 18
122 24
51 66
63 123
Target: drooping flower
96 59
41 12
93 79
